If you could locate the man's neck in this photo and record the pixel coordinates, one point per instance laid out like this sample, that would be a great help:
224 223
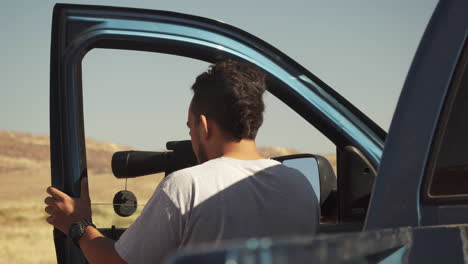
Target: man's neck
245 149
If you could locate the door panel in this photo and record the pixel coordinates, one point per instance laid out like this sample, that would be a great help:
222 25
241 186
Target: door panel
369 247
411 142
402 245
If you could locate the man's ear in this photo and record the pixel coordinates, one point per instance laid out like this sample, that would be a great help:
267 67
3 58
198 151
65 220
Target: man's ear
205 129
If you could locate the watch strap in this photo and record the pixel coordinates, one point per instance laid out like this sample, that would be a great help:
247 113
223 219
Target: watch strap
81 225
86 223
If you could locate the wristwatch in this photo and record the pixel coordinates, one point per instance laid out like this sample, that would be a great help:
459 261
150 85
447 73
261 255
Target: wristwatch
77 230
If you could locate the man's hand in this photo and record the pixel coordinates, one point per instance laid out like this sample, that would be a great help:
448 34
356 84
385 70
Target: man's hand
65 210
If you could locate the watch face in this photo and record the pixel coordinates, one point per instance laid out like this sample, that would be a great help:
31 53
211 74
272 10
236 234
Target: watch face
76 231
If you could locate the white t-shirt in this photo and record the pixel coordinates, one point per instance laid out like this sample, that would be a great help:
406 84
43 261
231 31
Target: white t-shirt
219 200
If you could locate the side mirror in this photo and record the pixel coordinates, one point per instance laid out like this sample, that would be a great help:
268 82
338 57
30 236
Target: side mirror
317 170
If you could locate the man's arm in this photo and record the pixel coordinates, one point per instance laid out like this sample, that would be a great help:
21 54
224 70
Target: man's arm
65 210
98 248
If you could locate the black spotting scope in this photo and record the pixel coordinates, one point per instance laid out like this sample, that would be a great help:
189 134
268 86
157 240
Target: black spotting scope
131 164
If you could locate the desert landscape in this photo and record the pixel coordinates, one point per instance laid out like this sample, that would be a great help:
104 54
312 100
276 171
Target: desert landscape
25 174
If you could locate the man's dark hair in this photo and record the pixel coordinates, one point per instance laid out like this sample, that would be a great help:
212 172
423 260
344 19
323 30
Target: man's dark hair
230 92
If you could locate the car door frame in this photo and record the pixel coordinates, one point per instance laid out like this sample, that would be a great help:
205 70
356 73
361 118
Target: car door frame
76 29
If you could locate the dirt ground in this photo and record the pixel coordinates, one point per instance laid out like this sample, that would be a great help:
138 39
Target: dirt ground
27 238
25 174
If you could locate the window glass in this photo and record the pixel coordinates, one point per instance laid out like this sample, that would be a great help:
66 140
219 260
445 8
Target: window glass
450 176
132 101
139 100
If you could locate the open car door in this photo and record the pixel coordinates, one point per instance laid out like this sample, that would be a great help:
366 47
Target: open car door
76 29
419 206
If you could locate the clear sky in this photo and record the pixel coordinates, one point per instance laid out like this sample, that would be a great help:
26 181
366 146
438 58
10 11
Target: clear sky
362 49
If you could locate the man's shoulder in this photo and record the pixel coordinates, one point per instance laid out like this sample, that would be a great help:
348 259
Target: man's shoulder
182 183
190 171
224 163
186 176
220 167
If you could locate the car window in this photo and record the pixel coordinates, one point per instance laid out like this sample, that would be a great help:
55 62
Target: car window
135 100
129 104
450 171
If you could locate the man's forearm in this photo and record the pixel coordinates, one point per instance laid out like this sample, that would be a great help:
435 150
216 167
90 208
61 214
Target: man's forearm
98 248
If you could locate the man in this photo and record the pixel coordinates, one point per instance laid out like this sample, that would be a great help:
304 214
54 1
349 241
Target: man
234 192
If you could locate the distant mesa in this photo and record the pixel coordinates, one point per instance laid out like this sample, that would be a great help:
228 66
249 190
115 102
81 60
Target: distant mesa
23 151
